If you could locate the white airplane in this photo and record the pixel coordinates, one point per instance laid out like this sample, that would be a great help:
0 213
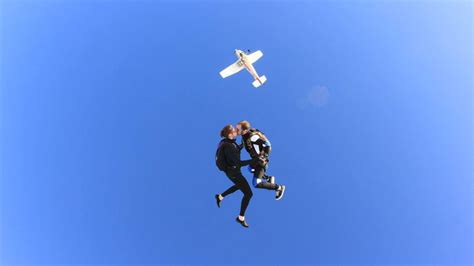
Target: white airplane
245 61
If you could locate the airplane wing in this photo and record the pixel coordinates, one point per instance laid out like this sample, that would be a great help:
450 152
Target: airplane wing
253 57
231 70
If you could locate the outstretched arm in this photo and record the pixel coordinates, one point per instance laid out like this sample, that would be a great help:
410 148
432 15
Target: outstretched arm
232 155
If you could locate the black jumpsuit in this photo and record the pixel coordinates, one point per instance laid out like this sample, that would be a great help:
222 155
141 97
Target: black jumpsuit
232 157
258 147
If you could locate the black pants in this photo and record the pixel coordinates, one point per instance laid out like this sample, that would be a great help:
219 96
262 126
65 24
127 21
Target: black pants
240 183
260 173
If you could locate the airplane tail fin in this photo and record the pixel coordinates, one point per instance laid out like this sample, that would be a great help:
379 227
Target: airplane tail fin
258 82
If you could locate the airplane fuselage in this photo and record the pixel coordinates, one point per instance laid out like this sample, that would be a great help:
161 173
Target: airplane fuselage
246 63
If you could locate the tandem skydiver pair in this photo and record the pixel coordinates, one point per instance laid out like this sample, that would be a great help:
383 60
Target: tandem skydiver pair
228 160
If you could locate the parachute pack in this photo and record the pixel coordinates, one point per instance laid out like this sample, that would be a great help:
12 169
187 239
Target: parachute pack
220 159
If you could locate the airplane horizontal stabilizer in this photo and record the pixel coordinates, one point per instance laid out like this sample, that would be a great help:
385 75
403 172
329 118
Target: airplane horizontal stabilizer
256 83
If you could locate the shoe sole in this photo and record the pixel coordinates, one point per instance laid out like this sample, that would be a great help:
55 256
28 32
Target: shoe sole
238 221
217 202
282 193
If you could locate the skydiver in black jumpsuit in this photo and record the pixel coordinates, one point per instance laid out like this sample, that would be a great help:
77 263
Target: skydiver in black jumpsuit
258 146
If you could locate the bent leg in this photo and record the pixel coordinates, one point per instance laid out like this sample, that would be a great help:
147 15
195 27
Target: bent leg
262 183
260 180
230 190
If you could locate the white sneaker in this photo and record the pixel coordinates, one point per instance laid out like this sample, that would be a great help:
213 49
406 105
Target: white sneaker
280 192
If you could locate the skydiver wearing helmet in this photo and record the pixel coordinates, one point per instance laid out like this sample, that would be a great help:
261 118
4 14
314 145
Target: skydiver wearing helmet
259 148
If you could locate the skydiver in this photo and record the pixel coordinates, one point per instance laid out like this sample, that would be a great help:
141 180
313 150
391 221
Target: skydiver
259 148
228 160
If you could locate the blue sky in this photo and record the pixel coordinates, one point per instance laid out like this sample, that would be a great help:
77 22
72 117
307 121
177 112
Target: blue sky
110 113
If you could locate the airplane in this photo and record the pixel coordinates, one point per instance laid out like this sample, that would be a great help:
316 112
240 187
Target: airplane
245 61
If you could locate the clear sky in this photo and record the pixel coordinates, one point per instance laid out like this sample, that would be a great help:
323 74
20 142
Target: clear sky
110 114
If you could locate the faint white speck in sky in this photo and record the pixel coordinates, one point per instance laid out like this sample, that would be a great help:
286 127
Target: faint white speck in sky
317 96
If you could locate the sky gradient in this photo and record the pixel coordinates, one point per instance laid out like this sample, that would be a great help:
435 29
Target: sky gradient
111 110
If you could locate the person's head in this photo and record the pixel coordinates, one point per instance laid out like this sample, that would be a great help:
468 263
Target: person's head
228 132
243 127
